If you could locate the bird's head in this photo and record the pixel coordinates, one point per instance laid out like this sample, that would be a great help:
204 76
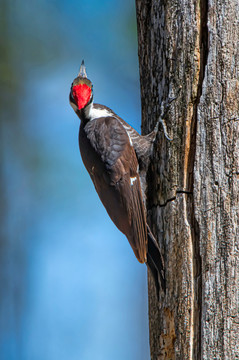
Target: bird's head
81 93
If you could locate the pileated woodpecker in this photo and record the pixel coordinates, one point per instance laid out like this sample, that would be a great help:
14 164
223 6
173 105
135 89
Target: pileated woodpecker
114 155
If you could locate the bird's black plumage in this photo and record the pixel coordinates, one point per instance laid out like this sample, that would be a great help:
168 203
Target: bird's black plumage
112 164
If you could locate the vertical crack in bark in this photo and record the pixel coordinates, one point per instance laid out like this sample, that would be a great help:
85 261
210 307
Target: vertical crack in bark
197 262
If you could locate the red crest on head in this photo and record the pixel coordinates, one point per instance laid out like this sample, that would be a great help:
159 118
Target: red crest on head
81 94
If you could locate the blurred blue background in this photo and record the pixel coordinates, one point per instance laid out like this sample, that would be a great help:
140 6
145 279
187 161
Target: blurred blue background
71 287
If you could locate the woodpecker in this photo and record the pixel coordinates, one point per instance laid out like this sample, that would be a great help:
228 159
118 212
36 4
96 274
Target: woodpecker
116 157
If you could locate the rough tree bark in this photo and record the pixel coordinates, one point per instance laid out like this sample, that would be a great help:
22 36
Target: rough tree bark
190 49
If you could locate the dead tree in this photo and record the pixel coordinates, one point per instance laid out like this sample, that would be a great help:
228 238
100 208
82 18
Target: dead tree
190 50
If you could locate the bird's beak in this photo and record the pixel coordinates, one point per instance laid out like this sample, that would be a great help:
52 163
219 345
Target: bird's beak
82 71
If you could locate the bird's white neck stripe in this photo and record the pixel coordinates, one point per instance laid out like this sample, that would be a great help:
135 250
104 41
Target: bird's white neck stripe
92 113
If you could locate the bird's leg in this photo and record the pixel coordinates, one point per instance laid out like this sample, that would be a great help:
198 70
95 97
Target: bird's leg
163 112
162 122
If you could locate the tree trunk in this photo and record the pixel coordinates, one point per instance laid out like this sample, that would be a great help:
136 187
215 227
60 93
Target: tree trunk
190 49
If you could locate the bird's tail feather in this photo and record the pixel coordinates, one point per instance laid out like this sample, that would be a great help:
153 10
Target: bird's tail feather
155 262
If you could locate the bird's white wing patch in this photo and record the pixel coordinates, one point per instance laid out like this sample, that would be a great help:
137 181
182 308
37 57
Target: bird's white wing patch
132 180
98 113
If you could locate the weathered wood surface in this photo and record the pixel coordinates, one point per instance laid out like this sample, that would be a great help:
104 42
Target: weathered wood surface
193 195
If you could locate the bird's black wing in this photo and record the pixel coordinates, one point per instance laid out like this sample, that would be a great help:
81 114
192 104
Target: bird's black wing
114 171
